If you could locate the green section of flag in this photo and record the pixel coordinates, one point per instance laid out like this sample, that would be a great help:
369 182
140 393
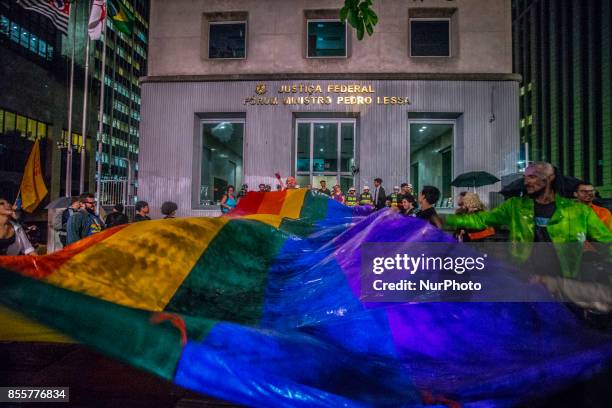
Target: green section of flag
229 280
120 332
122 18
314 209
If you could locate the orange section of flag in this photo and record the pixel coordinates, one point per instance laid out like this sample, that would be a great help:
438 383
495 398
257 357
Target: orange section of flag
33 189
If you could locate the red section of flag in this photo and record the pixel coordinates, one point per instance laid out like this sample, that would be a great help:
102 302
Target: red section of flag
61 6
272 202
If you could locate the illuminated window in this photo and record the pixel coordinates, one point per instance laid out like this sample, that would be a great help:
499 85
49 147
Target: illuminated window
42 130
221 158
326 38
31 129
21 125
9 122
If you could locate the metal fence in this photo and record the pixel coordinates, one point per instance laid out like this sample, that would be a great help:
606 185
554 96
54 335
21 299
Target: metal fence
114 191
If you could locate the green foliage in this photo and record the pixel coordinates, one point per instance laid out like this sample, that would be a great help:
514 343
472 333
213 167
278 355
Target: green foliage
360 16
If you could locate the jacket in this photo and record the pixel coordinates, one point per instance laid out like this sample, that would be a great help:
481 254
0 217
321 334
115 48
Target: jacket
571 222
82 224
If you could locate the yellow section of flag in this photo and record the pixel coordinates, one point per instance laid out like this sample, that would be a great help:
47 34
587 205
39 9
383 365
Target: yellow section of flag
33 189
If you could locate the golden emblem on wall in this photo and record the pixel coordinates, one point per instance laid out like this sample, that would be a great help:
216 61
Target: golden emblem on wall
260 89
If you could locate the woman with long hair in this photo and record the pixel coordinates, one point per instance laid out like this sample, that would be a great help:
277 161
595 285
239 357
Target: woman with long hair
228 201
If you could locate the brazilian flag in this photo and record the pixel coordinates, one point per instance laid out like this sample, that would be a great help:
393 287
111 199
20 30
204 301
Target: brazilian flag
122 18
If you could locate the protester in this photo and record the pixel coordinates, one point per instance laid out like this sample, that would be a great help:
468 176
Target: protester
407 205
460 204
60 222
470 204
84 222
279 187
142 211
351 198
337 195
365 198
528 217
406 188
168 209
543 215
243 191
378 195
269 188
428 197
324 189
13 238
395 197
117 217
291 183
262 188
585 193
228 201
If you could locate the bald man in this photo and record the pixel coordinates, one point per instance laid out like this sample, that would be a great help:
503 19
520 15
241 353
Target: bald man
544 216
540 216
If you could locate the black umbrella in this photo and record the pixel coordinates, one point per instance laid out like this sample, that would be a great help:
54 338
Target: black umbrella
474 179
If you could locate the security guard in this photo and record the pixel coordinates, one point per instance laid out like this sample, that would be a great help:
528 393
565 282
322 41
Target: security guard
366 198
395 197
351 198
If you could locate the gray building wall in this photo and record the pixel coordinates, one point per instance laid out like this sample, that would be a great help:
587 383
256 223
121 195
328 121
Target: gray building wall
486 133
276 36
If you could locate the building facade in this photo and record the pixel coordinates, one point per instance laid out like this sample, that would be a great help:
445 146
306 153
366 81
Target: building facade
34 84
563 51
126 61
34 96
239 90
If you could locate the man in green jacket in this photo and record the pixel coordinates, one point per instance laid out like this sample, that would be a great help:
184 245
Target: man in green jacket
544 216
541 216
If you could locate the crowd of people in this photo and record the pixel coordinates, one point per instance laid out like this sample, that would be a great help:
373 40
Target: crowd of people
541 214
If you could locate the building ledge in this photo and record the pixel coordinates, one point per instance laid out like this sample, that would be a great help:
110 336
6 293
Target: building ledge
379 76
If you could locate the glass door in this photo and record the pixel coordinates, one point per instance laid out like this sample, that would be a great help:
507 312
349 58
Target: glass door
325 151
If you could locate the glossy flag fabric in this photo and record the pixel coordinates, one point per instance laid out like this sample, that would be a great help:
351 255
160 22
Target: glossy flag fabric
262 307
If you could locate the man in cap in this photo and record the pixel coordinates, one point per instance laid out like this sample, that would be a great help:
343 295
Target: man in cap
365 198
351 198
395 197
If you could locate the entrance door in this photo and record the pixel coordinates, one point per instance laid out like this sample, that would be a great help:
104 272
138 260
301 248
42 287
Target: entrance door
431 155
325 150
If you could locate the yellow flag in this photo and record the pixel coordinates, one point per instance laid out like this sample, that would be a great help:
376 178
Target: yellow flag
33 189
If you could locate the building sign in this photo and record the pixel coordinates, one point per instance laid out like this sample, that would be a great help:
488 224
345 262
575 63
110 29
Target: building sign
315 94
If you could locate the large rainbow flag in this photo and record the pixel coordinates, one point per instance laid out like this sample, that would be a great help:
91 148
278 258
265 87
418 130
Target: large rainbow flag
262 307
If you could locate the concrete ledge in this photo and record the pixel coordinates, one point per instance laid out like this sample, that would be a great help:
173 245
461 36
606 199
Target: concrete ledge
337 76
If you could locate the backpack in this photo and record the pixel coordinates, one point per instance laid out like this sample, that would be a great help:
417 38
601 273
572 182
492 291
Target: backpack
65 215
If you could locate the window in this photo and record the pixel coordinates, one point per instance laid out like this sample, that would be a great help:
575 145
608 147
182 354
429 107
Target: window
326 38
325 150
429 37
23 37
9 122
227 40
221 158
21 125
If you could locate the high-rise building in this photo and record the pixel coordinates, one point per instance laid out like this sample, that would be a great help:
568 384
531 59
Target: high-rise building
34 87
563 50
126 61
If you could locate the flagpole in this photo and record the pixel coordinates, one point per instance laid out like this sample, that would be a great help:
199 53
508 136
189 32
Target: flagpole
101 119
70 98
84 124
